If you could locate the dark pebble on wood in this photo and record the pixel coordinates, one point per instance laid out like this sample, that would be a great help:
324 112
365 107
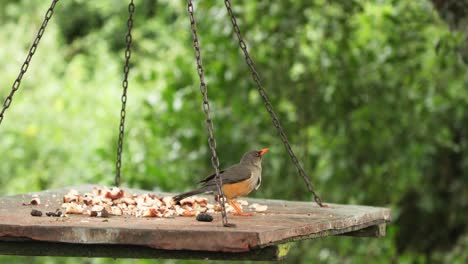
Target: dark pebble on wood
204 218
57 213
35 212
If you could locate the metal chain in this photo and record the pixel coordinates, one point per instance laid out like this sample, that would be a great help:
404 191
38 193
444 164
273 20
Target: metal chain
25 66
206 109
268 105
128 54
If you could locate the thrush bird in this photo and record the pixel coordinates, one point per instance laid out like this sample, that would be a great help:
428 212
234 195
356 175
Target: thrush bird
238 180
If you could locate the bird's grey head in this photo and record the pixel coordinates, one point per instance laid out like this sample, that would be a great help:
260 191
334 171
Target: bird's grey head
253 157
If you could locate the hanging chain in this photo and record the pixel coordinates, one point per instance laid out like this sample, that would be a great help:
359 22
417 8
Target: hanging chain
268 105
24 68
128 54
206 109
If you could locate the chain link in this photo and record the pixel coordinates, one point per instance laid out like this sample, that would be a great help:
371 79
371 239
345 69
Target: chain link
25 66
128 54
206 109
268 105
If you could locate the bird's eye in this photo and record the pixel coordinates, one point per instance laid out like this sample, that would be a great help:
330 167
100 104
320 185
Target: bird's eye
257 154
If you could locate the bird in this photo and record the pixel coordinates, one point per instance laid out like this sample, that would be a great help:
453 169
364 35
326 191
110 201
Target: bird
237 181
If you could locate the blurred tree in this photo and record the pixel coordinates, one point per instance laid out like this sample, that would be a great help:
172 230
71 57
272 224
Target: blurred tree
455 14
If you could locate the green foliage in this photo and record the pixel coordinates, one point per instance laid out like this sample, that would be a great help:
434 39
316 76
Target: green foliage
373 96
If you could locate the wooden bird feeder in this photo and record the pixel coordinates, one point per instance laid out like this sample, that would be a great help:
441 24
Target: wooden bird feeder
264 236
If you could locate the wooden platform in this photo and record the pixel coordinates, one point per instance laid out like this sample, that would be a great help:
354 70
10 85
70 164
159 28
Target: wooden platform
264 236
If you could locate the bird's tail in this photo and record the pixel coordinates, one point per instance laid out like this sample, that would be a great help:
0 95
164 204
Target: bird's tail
181 196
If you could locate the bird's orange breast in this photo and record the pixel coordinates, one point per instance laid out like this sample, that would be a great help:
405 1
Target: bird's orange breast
238 189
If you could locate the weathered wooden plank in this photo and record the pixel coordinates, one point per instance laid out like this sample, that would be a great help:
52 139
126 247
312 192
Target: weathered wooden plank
379 230
40 248
284 221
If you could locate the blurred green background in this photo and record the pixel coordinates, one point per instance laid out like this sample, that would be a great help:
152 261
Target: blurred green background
373 96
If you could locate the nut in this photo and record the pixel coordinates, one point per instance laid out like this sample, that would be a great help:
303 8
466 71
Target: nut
114 193
168 201
258 208
189 213
242 202
35 201
115 210
150 212
201 201
189 201
104 201
74 209
92 213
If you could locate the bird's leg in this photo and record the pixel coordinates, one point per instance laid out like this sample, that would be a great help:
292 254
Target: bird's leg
239 211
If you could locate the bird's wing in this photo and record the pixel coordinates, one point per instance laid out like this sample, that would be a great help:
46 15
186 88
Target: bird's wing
236 173
210 177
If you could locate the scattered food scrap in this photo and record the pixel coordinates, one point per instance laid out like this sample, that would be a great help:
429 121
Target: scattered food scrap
258 207
102 202
34 200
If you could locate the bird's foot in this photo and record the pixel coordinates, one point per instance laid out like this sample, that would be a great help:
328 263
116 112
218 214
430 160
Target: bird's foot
243 214
238 210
